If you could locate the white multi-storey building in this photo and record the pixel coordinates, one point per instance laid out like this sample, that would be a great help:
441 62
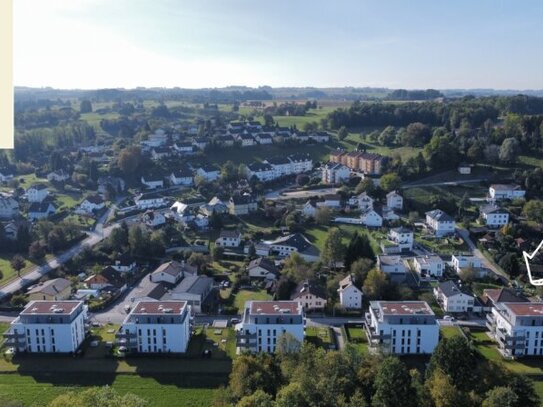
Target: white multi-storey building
517 328
494 216
264 172
429 265
37 193
350 296
440 223
394 200
263 323
453 298
48 327
156 327
300 162
403 237
334 173
402 327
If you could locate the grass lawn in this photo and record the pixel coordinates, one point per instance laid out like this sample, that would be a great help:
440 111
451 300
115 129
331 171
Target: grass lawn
317 235
8 273
449 331
160 391
448 245
358 339
319 337
246 295
221 342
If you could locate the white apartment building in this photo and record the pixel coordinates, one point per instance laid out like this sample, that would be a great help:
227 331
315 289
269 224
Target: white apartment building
350 296
452 298
300 162
264 172
156 327
48 327
494 216
429 265
517 328
263 323
281 165
440 223
334 173
402 327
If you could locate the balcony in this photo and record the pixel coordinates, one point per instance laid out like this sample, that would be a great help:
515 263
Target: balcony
246 340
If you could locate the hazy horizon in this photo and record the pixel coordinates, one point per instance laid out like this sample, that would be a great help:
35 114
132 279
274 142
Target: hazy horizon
96 44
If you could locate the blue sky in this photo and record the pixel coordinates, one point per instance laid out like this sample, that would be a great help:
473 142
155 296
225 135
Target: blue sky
205 43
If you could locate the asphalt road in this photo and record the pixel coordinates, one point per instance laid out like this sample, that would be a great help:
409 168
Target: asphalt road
97 235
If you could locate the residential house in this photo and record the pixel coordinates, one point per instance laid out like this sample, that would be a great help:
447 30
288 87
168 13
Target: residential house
156 327
246 140
319 136
195 290
58 176
330 201
200 142
262 268
48 327
172 272
429 265
91 204
460 262
388 214
209 172
262 171
9 207
152 181
108 277
37 193
153 219
371 218
264 138
215 205
228 238
394 200
115 183
124 263
310 295
493 296
334 173
440 223
493 216
505 191
281 165
517 328
57 289
300 136
402 237
40 210
391 264
402 327
362 201
300 163
350 296
310 209
263 323
453 298
182 176
184 148
284 246
242 205
150 201
158 153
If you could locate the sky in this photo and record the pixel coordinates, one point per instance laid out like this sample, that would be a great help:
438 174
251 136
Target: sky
411 44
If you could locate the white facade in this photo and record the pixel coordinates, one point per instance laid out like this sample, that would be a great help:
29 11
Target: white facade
150 202
263 323
228 238
48 327
208 174
152 183
402 327
264 172
403 237
394 200
440 223
156 327
350 297
494 217
429 265
391 264
505 191
334 173
517 328
371 218
37 193
452 299
90 205
181 178
309 209
459 262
